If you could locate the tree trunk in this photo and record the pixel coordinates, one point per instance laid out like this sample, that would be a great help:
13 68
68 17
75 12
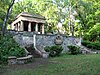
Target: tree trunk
6 17
72 30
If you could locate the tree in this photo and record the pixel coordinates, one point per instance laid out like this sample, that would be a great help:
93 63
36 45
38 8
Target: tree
6 17
87 13
3 8
94 33
57 11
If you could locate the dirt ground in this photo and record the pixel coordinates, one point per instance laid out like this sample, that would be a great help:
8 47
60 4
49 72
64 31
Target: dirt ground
32 65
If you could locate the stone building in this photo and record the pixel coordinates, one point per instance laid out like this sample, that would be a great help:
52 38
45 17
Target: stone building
29 23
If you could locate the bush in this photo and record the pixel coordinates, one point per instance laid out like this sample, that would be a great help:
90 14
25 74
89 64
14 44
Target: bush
53 50
92 45
8 47
47 48
74 50
85 43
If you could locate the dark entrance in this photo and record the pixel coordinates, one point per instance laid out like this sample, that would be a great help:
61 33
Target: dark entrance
33 25
25 25
40 27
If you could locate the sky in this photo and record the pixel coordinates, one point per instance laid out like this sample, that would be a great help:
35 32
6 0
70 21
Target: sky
17 0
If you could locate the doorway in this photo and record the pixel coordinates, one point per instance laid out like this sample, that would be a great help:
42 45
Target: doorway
26 23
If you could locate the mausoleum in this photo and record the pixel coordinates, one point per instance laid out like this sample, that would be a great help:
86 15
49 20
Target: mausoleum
29 23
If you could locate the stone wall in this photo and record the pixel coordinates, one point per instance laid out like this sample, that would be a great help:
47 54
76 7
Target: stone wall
48 40
24 39
44 40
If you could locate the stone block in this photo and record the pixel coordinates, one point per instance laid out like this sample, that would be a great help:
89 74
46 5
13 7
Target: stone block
12 60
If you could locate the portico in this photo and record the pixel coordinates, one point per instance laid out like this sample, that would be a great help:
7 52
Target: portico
29 23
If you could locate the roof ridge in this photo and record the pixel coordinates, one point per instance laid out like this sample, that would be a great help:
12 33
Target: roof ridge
30 15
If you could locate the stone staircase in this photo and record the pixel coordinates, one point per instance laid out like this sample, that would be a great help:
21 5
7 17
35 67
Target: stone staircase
37 52
27 45
33 52
86 50
83 49
41 51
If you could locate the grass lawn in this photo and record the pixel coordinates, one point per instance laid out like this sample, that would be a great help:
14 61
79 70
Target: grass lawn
65 65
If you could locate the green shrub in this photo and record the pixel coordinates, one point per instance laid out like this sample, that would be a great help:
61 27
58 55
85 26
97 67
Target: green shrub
8 47
74 50
86 36
47 48
92 45
53 50
85 43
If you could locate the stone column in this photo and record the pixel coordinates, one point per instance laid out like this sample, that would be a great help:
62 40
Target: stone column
21 26
36 29
42 28
15 27
29 27
18 26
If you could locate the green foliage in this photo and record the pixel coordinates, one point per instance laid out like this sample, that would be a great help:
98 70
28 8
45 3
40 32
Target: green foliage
92 45
4 4
83 42
95 32
86 36
74 50
53 50
47 48
56 11
8 47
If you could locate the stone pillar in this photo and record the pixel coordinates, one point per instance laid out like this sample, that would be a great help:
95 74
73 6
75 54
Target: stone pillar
21 26
14 27
42 28
29 27
18 26
36 29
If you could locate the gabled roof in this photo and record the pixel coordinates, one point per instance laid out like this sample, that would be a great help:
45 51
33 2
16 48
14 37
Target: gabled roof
26 14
